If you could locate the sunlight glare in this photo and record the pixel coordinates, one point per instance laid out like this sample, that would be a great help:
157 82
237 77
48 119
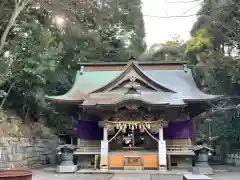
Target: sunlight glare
59 20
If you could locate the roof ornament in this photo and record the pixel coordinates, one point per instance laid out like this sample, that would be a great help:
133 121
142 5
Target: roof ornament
132 79
185 68
132 106
132 58
132 90
81 70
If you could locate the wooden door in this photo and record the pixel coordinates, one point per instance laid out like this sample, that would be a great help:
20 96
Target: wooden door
133 162
150 162
116 162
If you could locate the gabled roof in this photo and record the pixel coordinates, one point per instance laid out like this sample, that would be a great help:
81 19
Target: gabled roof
131 73
118 98
67 146
199 147
177 81
75 94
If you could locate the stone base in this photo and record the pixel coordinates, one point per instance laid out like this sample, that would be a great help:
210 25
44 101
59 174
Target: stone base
162 169
202 170
133 168
195 177
66 169
104 168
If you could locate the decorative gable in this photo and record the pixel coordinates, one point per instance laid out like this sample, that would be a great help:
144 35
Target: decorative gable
132 78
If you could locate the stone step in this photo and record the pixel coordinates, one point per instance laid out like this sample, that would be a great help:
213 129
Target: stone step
195 177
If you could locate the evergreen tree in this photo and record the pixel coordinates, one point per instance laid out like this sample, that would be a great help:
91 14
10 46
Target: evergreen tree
49 39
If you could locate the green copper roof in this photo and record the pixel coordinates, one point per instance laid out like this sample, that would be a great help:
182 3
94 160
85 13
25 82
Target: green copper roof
85 83
179 81
89 81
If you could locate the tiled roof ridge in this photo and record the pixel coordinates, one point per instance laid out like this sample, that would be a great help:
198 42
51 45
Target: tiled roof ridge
139 62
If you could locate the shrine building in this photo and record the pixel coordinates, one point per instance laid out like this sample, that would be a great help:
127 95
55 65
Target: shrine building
135 115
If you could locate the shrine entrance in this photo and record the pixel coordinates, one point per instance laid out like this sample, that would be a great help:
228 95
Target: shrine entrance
133 138
133 145
125 151
133 101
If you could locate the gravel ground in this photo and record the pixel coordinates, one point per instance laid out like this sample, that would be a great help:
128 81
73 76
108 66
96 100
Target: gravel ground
43 175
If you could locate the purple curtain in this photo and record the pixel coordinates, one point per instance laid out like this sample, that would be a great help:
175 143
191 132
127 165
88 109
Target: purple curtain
89 130
178 130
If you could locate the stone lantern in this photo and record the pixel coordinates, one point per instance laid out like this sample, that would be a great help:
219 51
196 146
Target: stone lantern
201 165
66 165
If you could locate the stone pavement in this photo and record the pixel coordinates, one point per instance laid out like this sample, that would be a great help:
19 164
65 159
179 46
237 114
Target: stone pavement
44 175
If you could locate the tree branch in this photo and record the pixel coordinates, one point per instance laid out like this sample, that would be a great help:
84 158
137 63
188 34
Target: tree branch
16 3
9 90
17 10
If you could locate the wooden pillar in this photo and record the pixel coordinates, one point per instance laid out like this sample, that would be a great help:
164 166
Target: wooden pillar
71 140
160 134
104 150
105 134
78 142
169 162
162 152
96 161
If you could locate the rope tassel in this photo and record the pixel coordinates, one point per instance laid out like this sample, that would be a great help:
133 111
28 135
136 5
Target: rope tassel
117 126
150 134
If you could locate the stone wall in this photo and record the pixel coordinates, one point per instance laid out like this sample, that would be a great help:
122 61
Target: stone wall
23 152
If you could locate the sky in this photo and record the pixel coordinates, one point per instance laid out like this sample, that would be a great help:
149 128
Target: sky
159 30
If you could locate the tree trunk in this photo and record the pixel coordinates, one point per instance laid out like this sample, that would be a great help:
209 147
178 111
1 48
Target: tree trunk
26 120
17 10
9 90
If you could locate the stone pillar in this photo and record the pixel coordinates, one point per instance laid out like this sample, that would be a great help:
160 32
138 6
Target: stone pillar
104 150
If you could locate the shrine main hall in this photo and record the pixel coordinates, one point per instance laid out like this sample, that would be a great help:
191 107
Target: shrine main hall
134 115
